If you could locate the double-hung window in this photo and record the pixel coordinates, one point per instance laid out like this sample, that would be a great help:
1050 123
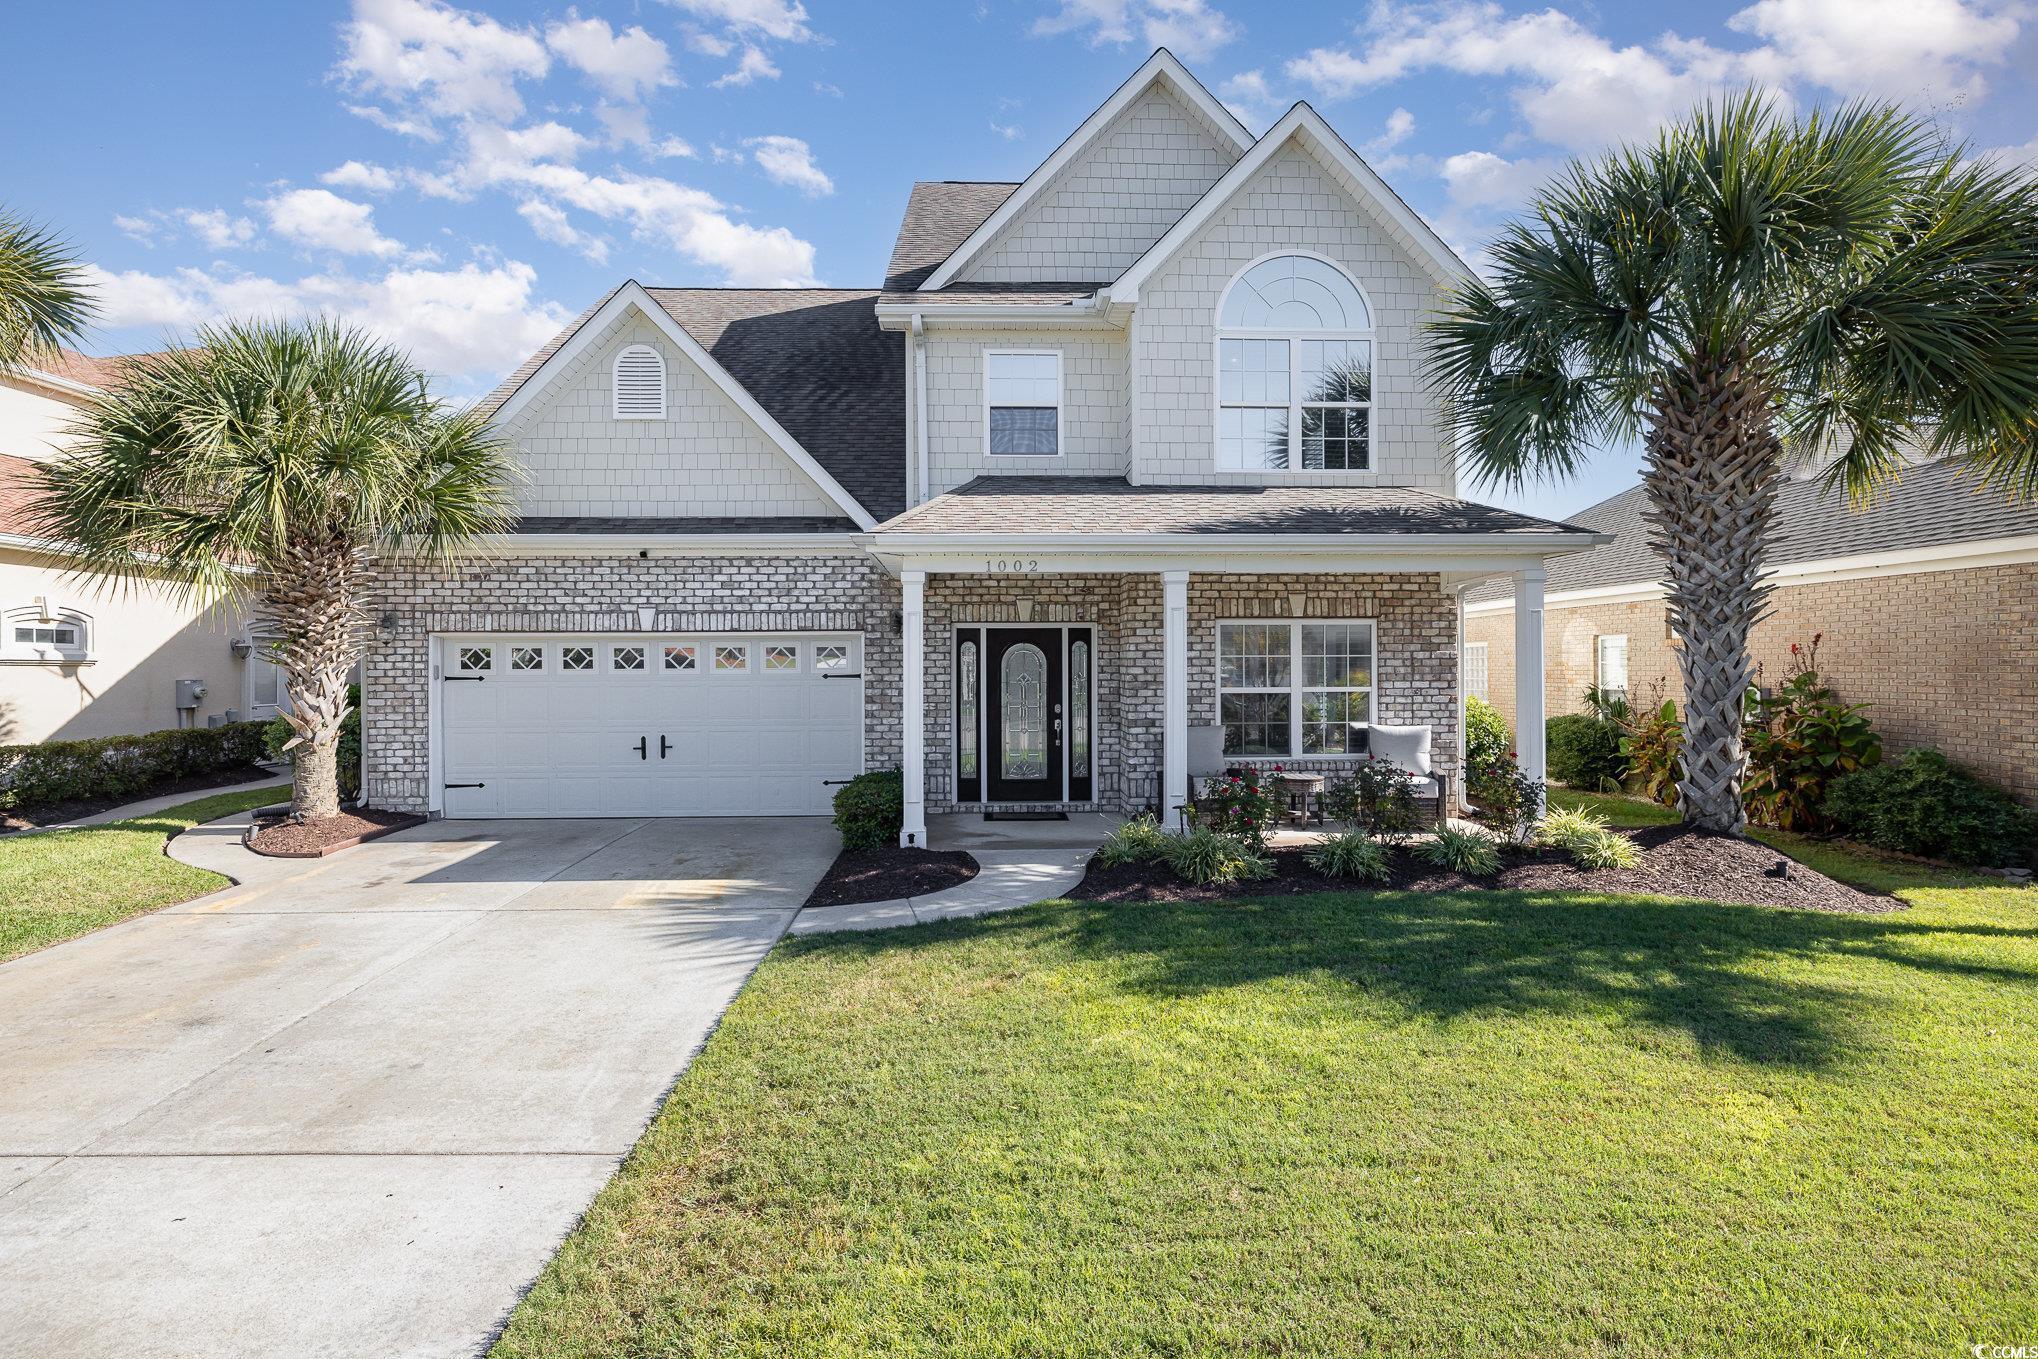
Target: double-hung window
1022 403
1295 688
1294 370
1611 664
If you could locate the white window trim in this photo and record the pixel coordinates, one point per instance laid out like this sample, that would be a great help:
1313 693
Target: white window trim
1295 688
1295 403
616 385
1599 641
1485 654
1061 401
47 653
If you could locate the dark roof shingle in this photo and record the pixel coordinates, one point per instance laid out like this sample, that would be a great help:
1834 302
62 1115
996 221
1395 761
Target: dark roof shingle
940 215
1049 504
19 490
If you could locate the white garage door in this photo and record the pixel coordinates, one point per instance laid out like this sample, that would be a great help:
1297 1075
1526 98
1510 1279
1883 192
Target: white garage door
717 725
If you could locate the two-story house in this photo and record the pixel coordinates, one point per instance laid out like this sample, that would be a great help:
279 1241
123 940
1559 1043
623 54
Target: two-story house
1137 446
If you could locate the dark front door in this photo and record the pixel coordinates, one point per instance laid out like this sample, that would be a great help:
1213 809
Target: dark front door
1022 671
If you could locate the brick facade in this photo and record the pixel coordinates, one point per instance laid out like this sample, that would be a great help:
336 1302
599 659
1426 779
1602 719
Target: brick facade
1948 659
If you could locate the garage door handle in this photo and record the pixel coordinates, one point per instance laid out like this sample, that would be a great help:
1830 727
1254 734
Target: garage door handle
664 747
450 679
464 785
643 747
832 675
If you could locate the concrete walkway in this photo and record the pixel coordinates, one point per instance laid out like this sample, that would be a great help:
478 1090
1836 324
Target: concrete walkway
351 1106
1020 862
150 805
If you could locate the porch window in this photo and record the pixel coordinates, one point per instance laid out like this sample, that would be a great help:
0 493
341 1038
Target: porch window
1288 689
1475 670
1022 402
1294 369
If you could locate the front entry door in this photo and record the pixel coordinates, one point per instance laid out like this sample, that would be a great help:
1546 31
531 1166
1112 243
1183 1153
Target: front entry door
1023 670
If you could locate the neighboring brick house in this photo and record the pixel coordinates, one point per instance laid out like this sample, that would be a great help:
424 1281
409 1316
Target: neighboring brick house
1927 600
1134 448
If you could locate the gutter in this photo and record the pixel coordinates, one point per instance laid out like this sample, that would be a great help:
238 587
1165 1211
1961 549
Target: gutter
1524 544
1083 312
663 545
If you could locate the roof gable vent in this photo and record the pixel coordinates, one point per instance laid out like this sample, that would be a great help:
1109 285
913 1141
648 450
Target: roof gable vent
640 384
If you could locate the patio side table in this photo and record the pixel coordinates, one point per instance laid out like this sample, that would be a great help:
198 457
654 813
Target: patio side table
1301 788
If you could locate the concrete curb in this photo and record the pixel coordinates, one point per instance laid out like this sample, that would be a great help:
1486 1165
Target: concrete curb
1006 880
149 805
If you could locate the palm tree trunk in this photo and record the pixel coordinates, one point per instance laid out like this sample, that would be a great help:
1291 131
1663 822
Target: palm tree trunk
313 600
1711 475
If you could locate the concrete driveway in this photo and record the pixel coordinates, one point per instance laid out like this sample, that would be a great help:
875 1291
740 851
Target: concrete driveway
351 1107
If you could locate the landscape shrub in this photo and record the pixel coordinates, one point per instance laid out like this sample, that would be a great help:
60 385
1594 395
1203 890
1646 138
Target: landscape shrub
121 767
1204 856
1139 841
1585 752
870 809
1350 854
1513 802
1799 740
1587 839
1652 740
1240 803
277 733
1486 740
1468 852
1378 795
1923 803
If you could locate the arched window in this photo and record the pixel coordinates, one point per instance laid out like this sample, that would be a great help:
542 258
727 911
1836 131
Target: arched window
1294 369
43 633
640 384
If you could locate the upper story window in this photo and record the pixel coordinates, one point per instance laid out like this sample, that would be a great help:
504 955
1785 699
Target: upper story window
42 634
1022 402
1294 369
640 384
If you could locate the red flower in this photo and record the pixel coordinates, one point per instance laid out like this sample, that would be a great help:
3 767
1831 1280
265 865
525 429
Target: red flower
1793 648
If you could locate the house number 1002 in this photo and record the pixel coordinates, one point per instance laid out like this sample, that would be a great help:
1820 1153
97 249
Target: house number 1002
1009 565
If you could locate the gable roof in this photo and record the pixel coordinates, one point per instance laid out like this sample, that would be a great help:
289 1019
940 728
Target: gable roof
809 365
940 215
1162 68
1936 503
1304 125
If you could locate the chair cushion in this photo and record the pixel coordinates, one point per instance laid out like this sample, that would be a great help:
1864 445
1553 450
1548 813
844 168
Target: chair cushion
1404 747
1425 786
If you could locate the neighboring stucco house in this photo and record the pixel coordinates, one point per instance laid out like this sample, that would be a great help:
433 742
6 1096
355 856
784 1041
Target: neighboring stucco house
1133 447
89 655
1927 599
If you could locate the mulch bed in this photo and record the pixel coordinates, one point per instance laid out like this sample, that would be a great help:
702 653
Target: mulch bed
1675 863
887 873
284 838
57 813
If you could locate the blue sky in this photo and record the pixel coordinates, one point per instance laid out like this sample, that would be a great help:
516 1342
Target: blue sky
464 178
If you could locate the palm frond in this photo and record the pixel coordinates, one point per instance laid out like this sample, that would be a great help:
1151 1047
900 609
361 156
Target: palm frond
45 301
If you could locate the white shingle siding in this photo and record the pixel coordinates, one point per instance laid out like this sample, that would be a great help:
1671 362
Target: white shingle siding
706 458
1095 424
1293 203
1110 203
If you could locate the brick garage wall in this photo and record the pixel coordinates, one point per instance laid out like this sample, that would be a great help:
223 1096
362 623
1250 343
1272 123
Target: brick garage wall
602 595
1949 659
1417 656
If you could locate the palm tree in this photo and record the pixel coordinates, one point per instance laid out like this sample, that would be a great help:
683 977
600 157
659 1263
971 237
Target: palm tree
1746 285
278 460
43 298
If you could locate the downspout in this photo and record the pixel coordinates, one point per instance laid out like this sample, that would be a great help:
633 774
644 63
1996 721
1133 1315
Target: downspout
920 408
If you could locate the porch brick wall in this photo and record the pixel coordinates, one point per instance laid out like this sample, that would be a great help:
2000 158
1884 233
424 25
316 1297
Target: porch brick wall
1948 659
1417 657
601 595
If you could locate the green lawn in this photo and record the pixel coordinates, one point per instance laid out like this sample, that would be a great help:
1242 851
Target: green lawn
1488 1123
61 884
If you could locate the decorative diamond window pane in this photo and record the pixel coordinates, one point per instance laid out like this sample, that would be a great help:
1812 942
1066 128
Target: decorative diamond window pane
827 657
679 658
966 708
732 658
627 658
576 658
477 658
1079 710
781 658
527 658
1022 681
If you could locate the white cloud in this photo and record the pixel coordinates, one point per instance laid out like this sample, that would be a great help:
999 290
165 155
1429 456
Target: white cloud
390 122
823 87
442 61
708 45
1480 179
323 220
1400 125
216 229
753 66
790 161
1887 47
142 229
552 225
625 66
474 322
368 178
2025 155
781 20
1189 28
1249 98
1011 132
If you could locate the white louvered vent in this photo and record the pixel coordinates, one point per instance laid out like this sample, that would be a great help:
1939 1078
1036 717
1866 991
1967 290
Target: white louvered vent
640 384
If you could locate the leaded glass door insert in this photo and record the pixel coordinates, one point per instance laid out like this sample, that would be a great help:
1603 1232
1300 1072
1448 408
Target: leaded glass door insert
1026 714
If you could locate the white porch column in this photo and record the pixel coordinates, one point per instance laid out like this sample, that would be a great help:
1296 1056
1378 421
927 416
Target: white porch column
913 764
1175 700
1529 750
